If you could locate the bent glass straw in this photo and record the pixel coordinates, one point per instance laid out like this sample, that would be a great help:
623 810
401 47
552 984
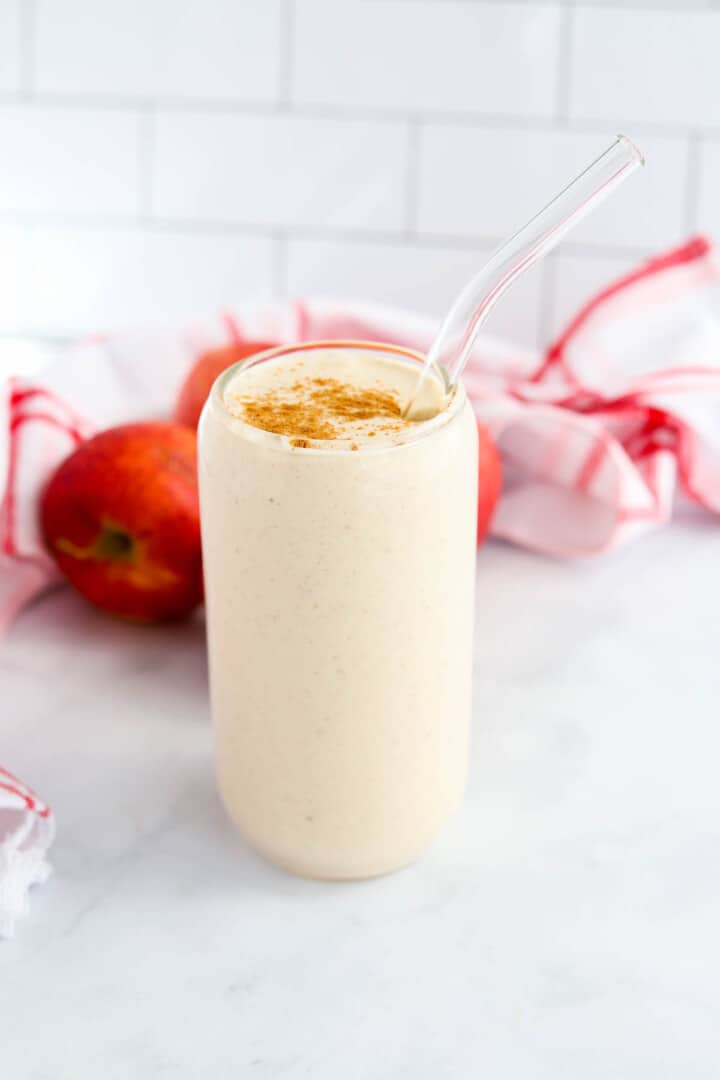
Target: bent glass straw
452 346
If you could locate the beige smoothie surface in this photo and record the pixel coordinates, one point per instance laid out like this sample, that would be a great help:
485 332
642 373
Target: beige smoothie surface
331 396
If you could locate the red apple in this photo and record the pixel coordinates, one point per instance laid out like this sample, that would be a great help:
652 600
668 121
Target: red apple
198 383
121 519
490 481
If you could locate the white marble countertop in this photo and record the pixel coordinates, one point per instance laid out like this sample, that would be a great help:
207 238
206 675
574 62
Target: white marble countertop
565 926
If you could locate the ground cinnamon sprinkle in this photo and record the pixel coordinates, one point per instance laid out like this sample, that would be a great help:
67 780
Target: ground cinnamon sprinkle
317 408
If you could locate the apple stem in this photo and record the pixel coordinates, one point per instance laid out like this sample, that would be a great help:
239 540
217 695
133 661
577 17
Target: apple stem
111 543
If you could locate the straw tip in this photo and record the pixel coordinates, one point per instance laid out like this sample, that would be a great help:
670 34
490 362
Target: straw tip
632 147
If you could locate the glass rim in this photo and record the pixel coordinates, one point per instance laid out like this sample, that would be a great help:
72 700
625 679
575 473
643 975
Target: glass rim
421 429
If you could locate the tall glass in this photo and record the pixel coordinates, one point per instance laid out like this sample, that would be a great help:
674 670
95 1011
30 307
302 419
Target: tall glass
339 589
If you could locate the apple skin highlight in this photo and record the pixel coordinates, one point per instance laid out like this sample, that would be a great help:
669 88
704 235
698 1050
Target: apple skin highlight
121 518
199 380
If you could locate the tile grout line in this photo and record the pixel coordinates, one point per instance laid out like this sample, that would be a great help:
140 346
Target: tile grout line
350 113
692 181
147 134
613 5
411 187
280 268
27 50
27 318
313 233
19 265
565 65
286 73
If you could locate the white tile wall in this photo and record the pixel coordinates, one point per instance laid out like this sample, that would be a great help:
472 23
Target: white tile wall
577 278
657 67
159 158
410 276
479 184
411 55
10 268
10 44
125 276
280 170
185 49
708 201
84 161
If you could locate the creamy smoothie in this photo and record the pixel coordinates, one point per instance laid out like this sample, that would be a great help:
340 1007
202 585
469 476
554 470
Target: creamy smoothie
339 558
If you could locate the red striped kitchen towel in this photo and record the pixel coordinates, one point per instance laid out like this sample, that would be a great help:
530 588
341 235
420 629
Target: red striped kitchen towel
621 414
597 436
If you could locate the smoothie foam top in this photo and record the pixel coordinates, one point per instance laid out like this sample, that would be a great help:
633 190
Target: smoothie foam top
330 394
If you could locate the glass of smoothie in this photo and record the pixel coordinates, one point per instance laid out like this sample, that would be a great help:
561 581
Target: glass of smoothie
339 561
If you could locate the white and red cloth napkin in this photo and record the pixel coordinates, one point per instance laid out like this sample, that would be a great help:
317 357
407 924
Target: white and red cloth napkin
597 435
27 828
